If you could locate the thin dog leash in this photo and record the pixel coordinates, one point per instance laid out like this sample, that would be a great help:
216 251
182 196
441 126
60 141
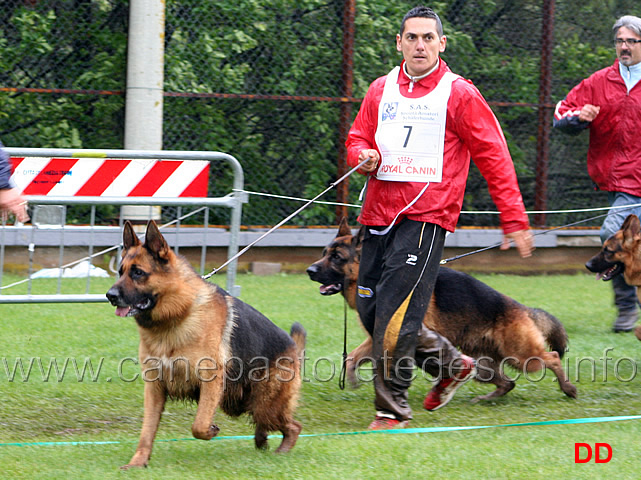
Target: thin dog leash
341 376
343 372
451 259
285 220
622 208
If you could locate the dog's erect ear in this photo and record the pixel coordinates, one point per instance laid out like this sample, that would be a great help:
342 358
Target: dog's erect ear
632 223
129 237
631 229
154 241
357 242
343 228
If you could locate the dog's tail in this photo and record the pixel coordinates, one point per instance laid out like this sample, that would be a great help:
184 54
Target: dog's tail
552 330
299 334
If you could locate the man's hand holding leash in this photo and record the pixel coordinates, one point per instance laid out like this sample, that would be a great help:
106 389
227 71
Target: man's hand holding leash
373 157
11 202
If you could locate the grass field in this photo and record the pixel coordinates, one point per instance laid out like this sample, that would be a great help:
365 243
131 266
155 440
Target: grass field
68 425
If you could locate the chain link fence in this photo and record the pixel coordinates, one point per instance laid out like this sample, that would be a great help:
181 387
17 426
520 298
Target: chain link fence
276 84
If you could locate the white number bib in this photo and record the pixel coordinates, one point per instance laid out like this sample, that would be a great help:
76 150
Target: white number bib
411 132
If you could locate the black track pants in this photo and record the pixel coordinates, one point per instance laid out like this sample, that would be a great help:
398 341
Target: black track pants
396 278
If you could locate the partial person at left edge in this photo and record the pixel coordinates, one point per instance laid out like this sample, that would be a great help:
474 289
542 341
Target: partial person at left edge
11 202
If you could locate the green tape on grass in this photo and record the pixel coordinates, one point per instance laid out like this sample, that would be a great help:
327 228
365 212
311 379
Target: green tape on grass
402 431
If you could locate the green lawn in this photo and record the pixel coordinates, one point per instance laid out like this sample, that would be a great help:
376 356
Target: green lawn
43 411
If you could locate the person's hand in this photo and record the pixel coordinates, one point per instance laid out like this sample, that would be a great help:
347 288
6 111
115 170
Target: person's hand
523 241
12 202
588 112
372 156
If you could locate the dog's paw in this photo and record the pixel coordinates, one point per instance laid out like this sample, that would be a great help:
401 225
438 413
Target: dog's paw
207 434
354 382
130 466
570 390
352 378
139 460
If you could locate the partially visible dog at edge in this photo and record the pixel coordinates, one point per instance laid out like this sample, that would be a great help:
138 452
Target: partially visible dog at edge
481 322
199 343
621 255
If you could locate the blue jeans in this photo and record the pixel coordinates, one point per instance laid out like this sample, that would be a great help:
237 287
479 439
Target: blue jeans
615 217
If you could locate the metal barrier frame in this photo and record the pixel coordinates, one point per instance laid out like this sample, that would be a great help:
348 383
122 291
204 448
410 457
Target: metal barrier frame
233 200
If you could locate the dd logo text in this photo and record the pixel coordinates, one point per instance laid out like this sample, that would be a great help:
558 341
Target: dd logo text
583 452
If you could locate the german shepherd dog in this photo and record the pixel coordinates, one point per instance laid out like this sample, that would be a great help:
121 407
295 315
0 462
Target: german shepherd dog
481 322
199 343
621 255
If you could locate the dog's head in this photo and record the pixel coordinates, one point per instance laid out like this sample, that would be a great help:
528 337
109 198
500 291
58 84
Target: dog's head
142 269
335 270
620 254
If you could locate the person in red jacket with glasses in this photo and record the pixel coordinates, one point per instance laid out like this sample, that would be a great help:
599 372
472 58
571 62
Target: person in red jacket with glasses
417 128
608 105
10 199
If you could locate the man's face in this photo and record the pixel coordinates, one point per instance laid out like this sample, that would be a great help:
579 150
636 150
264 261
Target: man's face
420 45
628 54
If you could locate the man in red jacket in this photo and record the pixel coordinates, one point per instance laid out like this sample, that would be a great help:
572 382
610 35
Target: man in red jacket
608 103
417 128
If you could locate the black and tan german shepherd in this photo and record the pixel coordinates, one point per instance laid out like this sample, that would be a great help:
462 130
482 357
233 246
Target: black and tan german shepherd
621 255
199 343
481 322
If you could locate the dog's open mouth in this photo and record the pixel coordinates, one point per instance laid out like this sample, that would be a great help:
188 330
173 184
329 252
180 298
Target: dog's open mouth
133 310
611 272
125 311
331 289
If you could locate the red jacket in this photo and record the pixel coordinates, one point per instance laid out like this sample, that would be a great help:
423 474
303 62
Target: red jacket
614 155
471 128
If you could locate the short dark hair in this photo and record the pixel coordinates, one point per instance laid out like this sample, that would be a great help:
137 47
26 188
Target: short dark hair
423 12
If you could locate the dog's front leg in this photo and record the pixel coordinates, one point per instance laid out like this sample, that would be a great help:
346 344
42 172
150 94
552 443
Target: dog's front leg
360 355
154 405
211 394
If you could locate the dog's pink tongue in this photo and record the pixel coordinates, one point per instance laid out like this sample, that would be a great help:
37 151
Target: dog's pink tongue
327 288
122 311
599 276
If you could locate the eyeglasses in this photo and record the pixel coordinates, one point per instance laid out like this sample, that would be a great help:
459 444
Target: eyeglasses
631 42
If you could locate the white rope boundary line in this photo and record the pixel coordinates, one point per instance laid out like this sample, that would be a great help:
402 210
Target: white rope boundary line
491 212
298 199
284 197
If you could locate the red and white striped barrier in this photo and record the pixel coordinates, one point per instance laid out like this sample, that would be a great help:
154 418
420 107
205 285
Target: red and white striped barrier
110 177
